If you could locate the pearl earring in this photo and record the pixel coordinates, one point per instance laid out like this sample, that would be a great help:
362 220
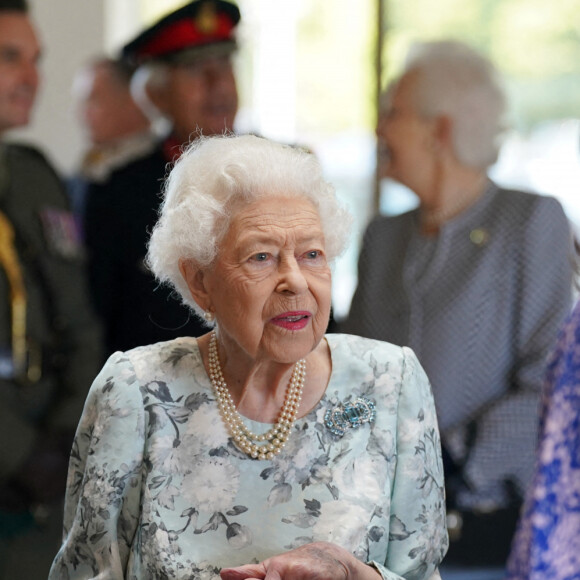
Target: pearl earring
209 316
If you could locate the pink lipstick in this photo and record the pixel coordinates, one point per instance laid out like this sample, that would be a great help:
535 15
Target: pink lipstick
295 320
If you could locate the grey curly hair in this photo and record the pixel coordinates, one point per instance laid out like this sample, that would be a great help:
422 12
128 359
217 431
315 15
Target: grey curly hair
213 178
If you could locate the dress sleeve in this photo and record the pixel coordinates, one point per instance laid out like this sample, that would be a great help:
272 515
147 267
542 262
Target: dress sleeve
104 480
418 534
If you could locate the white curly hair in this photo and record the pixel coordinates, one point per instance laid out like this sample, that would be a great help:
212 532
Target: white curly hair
213 178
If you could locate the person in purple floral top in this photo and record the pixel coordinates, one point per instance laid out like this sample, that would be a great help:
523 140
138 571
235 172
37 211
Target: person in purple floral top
547 542
265 448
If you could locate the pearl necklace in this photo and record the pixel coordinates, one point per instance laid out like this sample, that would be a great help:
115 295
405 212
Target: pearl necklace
269 444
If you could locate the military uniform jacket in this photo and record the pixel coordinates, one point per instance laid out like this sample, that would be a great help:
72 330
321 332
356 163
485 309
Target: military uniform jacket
60 323
480 304
119 216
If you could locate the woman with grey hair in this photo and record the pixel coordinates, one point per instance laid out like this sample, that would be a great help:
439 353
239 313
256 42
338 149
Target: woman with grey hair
263 449
476 280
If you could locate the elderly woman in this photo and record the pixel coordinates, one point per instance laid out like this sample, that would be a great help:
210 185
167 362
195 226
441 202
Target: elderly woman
476 281
262 449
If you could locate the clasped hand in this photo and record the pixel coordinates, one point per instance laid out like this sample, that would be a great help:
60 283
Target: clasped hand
317 561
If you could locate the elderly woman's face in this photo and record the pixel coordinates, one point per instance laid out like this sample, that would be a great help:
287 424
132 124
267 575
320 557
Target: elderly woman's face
270 288
405 138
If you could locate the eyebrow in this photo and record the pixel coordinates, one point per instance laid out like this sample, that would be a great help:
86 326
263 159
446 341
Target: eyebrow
10 48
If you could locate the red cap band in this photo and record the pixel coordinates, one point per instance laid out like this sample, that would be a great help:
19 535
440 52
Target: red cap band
185 34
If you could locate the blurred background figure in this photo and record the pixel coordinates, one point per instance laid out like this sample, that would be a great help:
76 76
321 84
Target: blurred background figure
547 542
476 281
49 343
116 129
185 74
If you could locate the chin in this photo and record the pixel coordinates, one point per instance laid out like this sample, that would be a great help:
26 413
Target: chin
294 352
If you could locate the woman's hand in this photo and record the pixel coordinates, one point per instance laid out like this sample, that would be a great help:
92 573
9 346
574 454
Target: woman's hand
318 561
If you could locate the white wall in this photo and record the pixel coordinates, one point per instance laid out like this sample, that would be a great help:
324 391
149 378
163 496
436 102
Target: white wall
70 32
123 21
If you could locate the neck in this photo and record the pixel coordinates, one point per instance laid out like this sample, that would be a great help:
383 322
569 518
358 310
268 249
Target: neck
261 392
258 387
258 445
452 197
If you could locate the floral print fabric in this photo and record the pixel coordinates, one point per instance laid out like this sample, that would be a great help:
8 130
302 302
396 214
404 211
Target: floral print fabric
156 489
547 542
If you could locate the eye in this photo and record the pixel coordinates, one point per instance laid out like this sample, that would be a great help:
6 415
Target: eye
9 55
260 257
315 257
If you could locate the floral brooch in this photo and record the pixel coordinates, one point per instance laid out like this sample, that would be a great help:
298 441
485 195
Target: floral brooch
350 415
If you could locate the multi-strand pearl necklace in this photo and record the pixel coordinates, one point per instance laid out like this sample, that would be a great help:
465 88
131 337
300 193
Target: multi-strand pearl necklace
265 445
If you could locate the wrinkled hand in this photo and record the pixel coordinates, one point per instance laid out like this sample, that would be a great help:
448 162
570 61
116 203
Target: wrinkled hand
317 561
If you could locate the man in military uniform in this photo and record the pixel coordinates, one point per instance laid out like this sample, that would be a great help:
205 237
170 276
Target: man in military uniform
49 343
184 65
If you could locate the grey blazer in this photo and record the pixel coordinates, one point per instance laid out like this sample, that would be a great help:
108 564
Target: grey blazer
480 304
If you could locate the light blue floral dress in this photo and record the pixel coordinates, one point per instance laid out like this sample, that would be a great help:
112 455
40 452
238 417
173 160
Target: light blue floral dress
156 488
547 541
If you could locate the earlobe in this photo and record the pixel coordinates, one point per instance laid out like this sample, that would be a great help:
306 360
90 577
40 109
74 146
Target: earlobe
195 279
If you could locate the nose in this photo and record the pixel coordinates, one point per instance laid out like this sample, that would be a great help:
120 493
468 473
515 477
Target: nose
291 278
